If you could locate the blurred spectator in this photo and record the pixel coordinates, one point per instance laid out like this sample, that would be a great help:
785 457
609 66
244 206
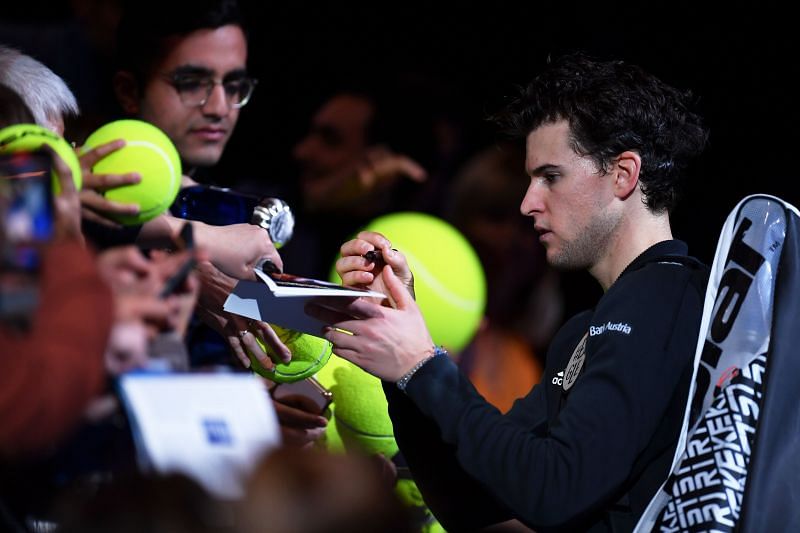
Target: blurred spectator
69 301
51 372
370 149
310 491
13 109
54 365
484 204
524 305
134 503
46 95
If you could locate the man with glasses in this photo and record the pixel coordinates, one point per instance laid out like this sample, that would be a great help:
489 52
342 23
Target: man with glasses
186 76
182 66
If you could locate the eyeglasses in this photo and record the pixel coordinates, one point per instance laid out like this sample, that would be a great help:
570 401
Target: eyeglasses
195 90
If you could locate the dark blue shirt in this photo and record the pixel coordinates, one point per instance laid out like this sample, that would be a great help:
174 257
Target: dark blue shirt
586 458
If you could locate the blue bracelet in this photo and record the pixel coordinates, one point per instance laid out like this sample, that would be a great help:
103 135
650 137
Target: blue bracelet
402 383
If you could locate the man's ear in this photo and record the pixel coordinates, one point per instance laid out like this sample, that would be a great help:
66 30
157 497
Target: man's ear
126 90
628 165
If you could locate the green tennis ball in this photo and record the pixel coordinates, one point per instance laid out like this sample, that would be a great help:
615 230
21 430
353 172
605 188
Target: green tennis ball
309 354
147 151
360 413
408 493
30 137
449 280
332 441
361 424
326 377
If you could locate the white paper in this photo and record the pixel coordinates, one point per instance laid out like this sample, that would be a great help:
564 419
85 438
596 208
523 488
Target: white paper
214 428
285 305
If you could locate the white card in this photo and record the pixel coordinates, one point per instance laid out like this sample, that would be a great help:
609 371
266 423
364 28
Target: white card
214 428
280 299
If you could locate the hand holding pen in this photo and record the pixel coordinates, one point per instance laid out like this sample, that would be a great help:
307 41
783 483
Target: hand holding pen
364 258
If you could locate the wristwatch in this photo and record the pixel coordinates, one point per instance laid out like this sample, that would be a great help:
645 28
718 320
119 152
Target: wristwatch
275 216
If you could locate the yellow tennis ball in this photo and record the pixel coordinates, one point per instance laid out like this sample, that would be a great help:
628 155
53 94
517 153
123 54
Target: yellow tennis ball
147 151
326 377
309 355
449 280
409 495
360 423
360 412
30 137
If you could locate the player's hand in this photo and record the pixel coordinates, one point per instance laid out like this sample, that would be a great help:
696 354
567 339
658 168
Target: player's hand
383 341
356 270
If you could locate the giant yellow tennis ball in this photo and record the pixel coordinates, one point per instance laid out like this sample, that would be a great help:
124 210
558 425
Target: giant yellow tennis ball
360 413
309 355
30 137
410 496
327 378
360 424
449 280
147 151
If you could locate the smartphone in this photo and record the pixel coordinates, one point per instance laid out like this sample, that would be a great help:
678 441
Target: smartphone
309 387
185 241
26 226
26 208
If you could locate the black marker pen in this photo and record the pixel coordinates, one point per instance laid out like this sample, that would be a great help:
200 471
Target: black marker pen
375 256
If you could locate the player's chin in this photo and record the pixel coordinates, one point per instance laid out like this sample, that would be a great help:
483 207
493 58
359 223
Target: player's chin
554 256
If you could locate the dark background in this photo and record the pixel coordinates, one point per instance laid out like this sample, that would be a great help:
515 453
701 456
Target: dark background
738 58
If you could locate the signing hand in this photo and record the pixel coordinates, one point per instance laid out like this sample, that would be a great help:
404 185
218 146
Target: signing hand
383 341
358 271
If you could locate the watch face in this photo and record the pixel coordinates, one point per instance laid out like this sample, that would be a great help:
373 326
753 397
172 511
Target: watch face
275 216
281 227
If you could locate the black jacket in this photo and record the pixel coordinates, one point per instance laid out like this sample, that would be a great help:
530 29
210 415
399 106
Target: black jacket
586 458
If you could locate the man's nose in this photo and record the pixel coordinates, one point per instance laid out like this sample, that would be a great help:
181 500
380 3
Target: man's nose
532 202
217 103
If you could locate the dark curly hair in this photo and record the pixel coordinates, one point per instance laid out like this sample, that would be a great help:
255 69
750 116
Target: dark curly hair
611 107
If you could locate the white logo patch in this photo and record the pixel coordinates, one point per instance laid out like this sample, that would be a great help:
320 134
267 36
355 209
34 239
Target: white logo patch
558 379
575 364
620 327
